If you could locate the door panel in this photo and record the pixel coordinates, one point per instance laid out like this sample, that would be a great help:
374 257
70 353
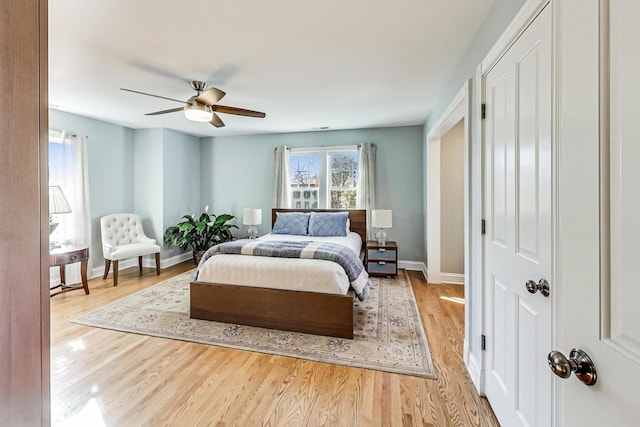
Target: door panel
518 210
622 317
528 321
500 114
528 83
598 196
499 360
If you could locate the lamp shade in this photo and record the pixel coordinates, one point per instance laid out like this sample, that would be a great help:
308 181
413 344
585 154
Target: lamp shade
381 218
58 204
251 216
198 112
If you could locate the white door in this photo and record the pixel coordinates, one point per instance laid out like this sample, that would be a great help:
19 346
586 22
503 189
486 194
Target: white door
598 280
517 244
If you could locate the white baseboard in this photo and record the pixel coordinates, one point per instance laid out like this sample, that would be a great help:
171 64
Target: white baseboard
453 278
474 369
168 262
148 262
413 265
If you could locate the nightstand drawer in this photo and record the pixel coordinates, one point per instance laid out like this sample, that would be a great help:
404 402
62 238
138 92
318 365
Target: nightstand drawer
381 254
382 267
68 257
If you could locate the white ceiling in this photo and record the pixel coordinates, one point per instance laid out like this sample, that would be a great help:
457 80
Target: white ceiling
344 64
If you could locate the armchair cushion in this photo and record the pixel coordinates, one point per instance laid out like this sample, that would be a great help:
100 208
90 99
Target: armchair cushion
123 237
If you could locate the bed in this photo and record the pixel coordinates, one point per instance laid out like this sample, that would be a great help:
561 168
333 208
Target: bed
279 306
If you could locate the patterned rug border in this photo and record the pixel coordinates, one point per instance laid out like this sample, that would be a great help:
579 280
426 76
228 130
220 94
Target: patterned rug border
428 372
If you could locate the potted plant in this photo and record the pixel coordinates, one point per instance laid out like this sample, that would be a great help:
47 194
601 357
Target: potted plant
200 233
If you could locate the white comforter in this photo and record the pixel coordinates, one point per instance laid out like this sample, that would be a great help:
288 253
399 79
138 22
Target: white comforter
310 275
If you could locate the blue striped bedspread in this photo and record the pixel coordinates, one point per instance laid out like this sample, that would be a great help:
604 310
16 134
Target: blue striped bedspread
339 254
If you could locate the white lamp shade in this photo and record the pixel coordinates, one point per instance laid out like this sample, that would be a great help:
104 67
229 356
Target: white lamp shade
381 218
58 204
251 216
198 112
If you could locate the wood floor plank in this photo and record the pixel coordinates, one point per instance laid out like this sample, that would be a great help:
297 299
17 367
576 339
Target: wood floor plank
123 379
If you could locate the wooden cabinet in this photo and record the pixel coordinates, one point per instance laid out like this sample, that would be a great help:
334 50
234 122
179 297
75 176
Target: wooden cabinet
382 260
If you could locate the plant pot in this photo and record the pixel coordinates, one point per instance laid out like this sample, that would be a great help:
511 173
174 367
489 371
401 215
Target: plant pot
197 256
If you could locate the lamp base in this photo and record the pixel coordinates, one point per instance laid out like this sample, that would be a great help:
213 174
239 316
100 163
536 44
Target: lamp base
381 236
253 232
52 243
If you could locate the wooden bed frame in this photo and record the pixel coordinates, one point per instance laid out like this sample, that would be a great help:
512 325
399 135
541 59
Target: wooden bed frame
299 311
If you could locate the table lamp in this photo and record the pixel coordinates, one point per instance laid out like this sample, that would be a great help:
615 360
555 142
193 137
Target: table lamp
252 217
58 204
381 219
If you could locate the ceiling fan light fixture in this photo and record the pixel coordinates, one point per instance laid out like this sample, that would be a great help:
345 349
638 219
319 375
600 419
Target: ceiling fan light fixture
198 112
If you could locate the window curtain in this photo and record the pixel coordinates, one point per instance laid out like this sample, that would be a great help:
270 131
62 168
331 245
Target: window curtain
68 169
366 194
282 185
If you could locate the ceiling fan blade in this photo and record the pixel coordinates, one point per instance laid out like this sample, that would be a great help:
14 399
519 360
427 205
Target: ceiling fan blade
210 96
216 121
237 111
155 96
172 110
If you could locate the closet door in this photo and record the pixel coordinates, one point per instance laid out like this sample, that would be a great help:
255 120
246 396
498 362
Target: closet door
24 272
518 240
599 209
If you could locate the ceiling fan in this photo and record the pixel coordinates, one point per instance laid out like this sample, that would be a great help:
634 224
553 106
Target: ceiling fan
202 107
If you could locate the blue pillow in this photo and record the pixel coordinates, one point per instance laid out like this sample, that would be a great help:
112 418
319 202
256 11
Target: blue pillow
291 223
324 224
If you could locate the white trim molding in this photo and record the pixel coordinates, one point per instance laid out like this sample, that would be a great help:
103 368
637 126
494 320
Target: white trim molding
452 278
525 16
458 109
413 265
147 262
168 262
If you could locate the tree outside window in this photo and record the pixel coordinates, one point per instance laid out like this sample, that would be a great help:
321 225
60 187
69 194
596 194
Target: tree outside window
344 180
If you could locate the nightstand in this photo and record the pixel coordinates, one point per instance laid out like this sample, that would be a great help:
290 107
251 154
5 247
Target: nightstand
67 254
382 260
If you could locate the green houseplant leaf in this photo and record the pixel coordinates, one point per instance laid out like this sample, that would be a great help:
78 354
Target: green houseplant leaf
200 233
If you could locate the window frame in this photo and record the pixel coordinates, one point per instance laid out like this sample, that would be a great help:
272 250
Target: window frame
324 170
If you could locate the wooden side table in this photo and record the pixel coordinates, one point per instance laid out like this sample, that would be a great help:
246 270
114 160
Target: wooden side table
382 260
68 254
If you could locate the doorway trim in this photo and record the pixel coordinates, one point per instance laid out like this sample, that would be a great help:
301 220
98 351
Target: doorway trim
458 109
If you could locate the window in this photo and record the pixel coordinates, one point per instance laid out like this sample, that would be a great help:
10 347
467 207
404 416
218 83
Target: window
324 177
343 168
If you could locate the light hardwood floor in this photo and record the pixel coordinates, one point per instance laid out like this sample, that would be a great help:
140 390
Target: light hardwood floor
102 377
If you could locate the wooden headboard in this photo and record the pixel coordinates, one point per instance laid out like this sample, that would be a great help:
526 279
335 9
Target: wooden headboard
357 218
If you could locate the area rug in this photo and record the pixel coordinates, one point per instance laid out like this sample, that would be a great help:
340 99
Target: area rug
388 332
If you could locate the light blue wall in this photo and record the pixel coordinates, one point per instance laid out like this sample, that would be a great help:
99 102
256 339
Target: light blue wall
148 180
110 158
152 172
181 180
498 17
237 173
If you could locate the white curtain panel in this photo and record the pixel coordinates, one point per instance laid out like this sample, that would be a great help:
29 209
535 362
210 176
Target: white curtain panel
366 195
281 183
68 169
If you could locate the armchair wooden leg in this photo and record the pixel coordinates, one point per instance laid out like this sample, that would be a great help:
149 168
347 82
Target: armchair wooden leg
107 266
115 273
140 264
158 263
